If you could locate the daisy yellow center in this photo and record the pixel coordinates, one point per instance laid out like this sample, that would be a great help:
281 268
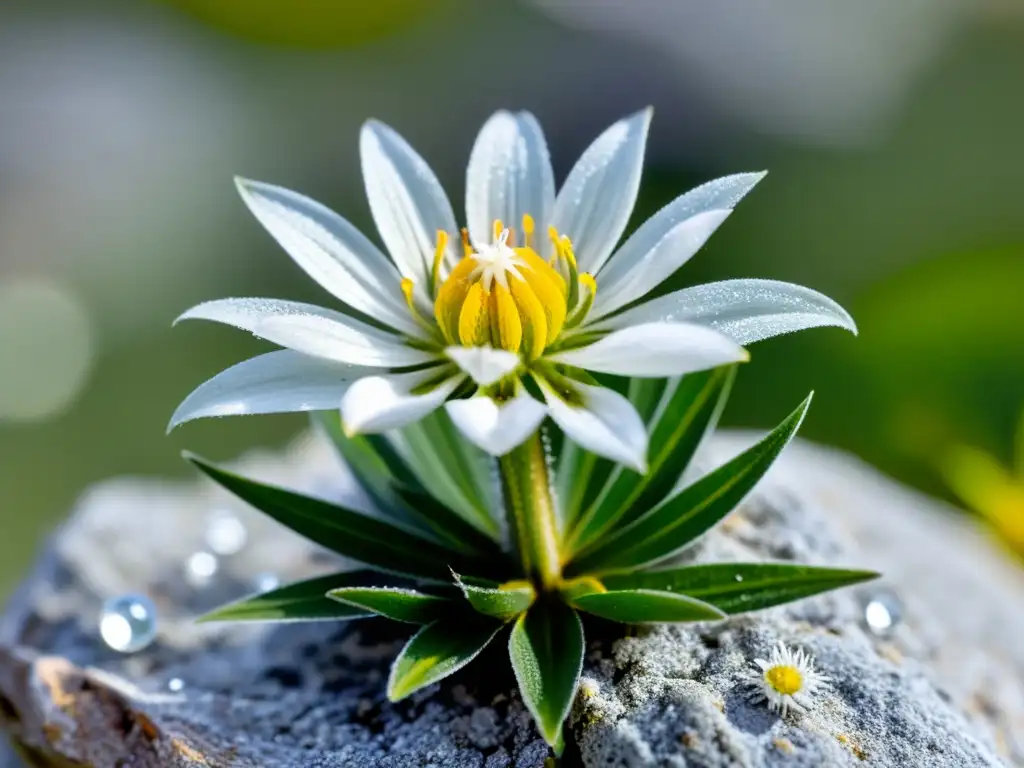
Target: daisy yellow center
785 679
504 295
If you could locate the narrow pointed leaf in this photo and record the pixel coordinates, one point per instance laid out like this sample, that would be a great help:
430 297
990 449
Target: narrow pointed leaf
457 473
687 413
742 587
579 477
301 601
546 649
382 545
503 602
645 394
646 606
682 518
392 603
438 650
447 524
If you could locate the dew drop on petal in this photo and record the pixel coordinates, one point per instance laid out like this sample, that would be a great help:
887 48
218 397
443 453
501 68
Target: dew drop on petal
128 623
225 533
738 577
200 568
882 612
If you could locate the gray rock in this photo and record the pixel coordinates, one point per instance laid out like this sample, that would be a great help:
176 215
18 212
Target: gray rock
944 686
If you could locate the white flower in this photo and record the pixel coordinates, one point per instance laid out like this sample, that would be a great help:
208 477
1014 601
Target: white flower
515 311
785 680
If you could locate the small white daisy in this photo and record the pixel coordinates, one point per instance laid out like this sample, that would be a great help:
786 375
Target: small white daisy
785 680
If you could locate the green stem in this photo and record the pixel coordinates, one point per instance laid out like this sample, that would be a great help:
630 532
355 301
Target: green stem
526 484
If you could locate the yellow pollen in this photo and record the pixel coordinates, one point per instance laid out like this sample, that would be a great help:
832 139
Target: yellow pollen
528 230
785 679
439 251
467 249
504 296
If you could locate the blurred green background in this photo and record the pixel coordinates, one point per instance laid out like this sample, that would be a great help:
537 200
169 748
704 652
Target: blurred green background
892 132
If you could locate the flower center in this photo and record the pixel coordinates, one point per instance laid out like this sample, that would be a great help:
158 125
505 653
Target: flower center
785 679
505 296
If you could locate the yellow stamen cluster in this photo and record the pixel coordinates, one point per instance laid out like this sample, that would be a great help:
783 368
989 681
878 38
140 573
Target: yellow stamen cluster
505 296
785 679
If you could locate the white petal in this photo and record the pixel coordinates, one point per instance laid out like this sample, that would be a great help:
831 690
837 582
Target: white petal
658 264
407 202
745 310
595 202
495 428
483 364
605 423
719 194
247 313
656 350
347 341
379 403
509 174
277 382
331 251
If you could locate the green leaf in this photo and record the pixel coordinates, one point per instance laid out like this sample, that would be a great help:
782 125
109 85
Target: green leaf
393 603
546 648
503 602
438 650
646 606
741 587
687 413
646 394
680 519
446 524
301 601
378 544
451 469
579 477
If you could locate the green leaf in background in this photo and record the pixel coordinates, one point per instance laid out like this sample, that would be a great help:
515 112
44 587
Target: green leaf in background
438 650
646 394
503 602
392 603
646 606
546 649
741 587
301 601
376 543
683 517
446 524
688 412
458 474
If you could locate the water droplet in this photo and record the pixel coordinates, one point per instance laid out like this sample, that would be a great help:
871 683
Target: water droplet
175 684
128 623
225 533
882 612
738 577
200 568
266 581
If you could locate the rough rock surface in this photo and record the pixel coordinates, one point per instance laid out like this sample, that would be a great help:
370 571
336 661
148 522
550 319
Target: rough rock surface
944 688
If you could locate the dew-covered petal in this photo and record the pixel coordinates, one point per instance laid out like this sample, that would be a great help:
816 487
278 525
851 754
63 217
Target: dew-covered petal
494 427
331 251
656 350
744 310
716 195
381 403
277 382
407 201
594 204
485 365
670 253
603 421
346 341
509 175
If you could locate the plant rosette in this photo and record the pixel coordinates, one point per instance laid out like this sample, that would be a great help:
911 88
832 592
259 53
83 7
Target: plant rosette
519 407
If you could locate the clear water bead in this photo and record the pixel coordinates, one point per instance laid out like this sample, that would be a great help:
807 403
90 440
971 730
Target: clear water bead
128 623
225 533
882 612
266 581
175 684
200 568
